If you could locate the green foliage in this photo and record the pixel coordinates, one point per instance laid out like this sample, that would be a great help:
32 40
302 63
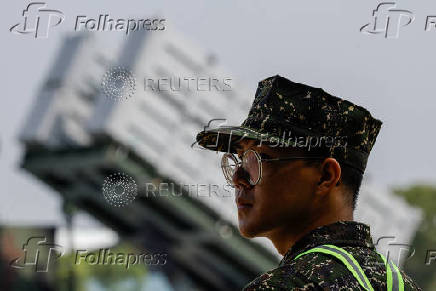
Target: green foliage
424 197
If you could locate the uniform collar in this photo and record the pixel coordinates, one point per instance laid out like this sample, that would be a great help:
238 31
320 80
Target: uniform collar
341 233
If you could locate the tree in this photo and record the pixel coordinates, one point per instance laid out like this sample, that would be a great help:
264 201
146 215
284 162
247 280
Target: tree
424 197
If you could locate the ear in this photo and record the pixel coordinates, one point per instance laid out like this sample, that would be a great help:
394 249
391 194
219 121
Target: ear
330 171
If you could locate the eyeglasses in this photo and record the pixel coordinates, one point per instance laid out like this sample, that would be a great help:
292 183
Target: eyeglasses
251 163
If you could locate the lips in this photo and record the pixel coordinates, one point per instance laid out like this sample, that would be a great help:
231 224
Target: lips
244 206
241 202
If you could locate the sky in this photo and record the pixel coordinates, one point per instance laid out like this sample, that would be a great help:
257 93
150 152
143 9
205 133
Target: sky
318 43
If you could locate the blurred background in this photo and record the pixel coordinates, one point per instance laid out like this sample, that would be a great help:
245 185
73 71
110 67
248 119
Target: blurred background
97 128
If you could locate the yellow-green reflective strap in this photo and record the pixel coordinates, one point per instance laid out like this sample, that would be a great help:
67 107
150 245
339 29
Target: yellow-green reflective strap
347 259
388 272
395 279
399 277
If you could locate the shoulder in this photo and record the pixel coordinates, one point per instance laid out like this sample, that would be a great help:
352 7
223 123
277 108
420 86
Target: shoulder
374 267
314 271
409 284
318 271
282 278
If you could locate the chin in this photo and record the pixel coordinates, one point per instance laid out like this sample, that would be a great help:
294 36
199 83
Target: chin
248 230
247 234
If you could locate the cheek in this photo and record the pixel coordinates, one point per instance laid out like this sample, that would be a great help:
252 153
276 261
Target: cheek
285 190
281 182
274 200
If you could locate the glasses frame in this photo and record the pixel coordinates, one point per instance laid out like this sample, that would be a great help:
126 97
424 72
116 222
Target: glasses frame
239 164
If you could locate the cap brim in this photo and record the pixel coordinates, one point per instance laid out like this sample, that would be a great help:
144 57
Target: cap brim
227 138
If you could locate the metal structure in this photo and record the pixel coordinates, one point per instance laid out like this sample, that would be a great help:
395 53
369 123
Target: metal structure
76 136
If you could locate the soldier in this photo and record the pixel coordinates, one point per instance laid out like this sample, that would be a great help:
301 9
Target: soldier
296 164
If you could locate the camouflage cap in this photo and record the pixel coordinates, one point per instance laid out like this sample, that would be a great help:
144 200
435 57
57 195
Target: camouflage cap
288 114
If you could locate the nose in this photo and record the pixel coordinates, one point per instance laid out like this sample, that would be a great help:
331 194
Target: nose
241 178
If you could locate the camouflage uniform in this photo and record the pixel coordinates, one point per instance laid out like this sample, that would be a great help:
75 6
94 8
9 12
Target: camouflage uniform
283 110
317 271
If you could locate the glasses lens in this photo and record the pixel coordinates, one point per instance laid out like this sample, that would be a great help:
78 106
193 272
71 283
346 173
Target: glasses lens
229 167
251 165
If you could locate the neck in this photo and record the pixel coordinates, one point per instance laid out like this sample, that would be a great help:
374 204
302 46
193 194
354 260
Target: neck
285 237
